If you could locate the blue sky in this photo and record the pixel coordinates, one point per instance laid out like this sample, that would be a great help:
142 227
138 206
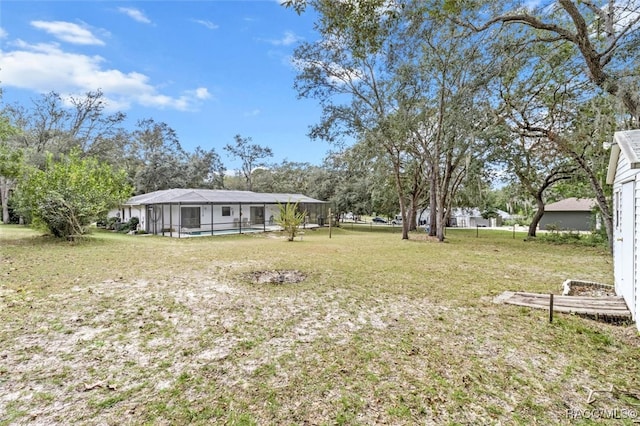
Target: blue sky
209 69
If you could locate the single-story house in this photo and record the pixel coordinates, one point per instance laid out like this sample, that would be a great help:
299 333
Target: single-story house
469 217
570 214
624 175
187 212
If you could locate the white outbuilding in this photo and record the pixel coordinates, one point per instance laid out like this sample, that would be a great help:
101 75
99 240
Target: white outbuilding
624 175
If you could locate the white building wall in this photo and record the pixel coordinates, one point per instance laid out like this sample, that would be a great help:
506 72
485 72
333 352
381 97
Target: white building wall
623 171
636 245
624 174
127 212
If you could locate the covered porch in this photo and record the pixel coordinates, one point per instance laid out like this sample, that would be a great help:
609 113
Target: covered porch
197 212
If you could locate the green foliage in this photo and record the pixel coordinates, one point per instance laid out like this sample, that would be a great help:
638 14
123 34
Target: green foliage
290 219
131 225
594 239
68 195
11 160
11 163
490 213
251 155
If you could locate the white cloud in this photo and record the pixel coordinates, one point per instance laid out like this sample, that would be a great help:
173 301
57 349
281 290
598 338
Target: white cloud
68 31
46 67
287 39
135 14
207 24
252 113
202 93
3 33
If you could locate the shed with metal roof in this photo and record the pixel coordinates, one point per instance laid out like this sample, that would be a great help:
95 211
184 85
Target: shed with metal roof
570 214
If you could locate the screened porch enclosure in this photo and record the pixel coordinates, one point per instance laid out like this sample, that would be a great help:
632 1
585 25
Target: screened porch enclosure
187 212
190 217
169 219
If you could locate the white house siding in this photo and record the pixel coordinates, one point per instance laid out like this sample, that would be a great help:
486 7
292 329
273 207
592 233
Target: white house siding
635 307
627 238
127 212
636 246
622 170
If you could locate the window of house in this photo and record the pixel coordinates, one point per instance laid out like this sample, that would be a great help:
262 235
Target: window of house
226 211
190 217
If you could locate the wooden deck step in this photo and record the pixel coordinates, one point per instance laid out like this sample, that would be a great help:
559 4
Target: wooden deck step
613 306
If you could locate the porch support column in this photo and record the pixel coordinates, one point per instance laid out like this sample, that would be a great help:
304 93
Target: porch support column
240 221
170 221
211 208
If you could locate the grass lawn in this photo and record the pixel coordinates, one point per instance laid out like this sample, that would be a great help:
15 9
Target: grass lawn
121 329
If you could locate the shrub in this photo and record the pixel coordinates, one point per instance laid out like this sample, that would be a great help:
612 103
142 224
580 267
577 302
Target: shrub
290 219
112 223
594 239
70 194
131 225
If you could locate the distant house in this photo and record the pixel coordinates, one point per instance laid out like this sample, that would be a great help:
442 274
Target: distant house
469 217
570 214
624 175
188 212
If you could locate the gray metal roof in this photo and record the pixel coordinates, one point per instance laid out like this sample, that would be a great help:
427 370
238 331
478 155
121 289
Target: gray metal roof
571 205
216 196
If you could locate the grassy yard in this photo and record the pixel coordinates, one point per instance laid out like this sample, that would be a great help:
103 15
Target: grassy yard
124 329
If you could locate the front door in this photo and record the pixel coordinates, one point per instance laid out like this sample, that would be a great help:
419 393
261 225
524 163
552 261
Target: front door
624 233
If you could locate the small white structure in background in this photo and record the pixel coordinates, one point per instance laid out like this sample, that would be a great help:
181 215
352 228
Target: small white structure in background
624 175
469 217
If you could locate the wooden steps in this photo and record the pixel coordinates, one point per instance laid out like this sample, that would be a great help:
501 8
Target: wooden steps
608 306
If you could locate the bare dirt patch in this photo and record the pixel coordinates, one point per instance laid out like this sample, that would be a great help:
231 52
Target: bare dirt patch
277 277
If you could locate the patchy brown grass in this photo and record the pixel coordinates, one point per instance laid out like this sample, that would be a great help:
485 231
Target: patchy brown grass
127 329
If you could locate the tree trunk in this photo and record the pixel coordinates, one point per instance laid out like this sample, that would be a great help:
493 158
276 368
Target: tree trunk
412 219
403 208
5 187
433 208
536 217
604 206
601 199
594 181
441 221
